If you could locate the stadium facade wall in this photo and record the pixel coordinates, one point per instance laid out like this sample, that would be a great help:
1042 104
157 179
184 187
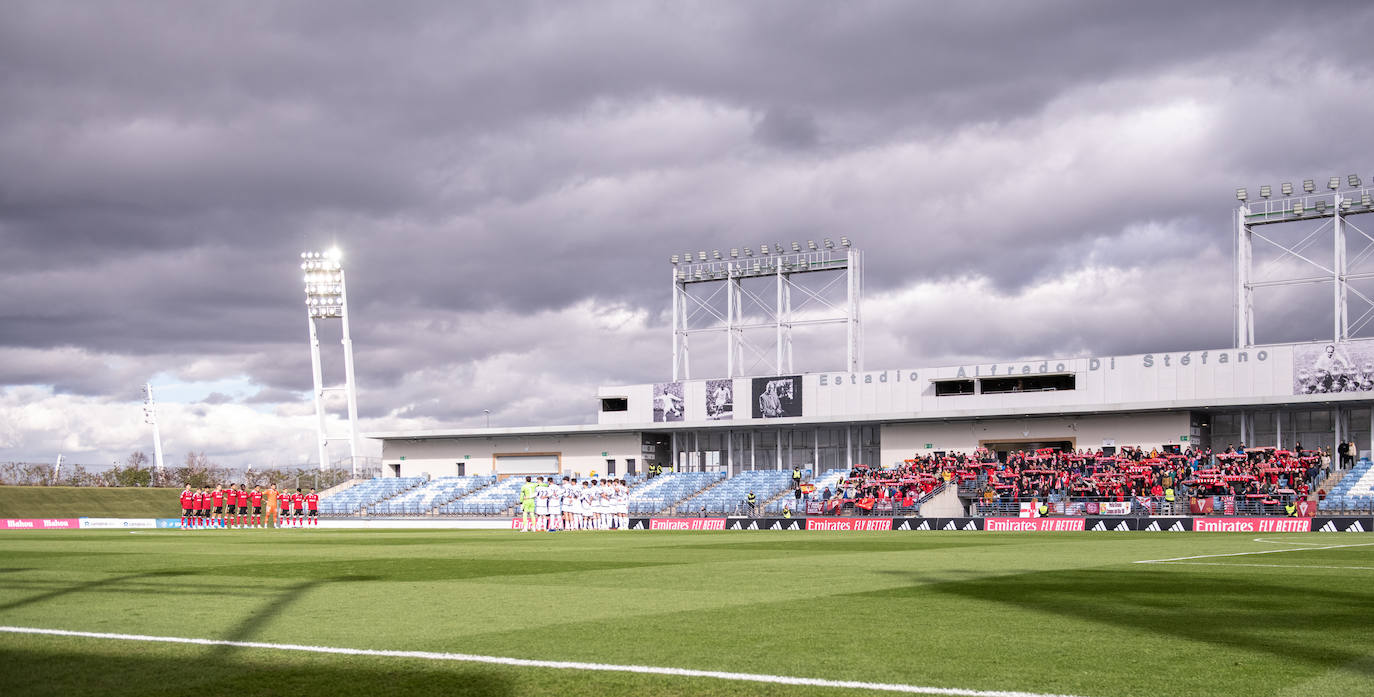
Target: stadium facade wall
1149 430
836 419
578 454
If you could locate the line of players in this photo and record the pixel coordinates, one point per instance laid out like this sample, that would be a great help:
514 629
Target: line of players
569 505
229 507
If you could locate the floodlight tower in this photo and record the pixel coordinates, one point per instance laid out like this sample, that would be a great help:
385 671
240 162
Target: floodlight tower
326 299
1320 213
150 418
797 270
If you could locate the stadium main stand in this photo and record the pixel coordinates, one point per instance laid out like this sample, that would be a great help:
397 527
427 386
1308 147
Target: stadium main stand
666 490
1354 492
830 479
1256 481
426 497
490 500
354 499
729 496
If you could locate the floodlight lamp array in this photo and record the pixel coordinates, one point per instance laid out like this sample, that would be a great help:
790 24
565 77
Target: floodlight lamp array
324 289
1355 199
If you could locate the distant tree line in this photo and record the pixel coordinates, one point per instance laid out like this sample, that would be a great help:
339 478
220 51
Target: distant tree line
197 470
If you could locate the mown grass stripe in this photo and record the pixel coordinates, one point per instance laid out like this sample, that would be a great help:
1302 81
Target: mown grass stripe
531 663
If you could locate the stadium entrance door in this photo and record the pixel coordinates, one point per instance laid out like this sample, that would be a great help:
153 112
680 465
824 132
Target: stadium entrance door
1006 447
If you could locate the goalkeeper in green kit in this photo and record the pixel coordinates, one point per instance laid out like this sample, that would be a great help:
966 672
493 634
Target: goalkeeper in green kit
527 503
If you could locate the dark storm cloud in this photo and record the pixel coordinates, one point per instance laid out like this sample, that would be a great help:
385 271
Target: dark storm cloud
487 166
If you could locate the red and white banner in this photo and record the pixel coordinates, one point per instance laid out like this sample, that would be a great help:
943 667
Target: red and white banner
1033 524
848 523
686 523
1252 525
1115 508
39 523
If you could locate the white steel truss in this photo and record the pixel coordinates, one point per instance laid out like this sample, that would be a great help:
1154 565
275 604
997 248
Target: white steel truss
1327 215
699 283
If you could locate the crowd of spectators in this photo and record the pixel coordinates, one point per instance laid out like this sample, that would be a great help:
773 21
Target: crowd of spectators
1262 476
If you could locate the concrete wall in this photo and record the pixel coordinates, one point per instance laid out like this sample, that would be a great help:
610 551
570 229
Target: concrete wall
901 441
579 454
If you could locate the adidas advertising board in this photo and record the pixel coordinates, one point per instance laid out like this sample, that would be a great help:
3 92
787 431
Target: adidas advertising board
920 524
763 524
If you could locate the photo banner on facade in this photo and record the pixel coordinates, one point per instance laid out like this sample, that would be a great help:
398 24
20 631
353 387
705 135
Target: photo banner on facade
668 402
779 397
720 400
1333 368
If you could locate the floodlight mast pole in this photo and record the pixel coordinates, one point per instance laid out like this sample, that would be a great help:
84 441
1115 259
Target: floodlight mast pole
151 413
1245 306
321 435
1340 306
350 384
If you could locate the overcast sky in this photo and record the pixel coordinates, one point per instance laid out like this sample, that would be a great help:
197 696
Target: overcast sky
507 180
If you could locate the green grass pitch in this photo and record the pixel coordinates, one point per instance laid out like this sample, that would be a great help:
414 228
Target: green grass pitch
1042 613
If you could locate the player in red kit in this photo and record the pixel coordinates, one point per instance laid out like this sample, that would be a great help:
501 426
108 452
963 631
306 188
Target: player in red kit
186 498
205 506
243 505
217 500
298 503
255 498
197 507
312 504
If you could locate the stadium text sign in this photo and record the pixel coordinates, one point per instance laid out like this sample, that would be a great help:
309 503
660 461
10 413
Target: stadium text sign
848 523
1033 524
686 523
1252 525
38 524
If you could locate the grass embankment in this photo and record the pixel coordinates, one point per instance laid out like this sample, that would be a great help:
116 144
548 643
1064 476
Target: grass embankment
93 502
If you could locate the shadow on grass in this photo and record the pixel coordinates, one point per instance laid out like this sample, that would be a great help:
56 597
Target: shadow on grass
281 600
1291 620
146 671
417 568
96 585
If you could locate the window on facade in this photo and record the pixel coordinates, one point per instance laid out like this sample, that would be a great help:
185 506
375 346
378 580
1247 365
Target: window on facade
945 388
1028 383
615 404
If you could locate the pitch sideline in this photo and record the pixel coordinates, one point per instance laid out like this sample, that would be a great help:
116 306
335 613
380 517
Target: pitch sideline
531 663
1242 554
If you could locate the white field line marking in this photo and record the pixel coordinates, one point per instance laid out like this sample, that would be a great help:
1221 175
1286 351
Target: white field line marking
528 663
1286 542
1243 554
1267 566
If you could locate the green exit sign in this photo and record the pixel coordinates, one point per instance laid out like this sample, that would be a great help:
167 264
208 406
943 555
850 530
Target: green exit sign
930 446
403 457
467 457
603 453
1183 439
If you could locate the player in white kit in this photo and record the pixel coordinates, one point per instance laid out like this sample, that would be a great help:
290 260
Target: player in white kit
556 505
570 508
622 506
584 503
